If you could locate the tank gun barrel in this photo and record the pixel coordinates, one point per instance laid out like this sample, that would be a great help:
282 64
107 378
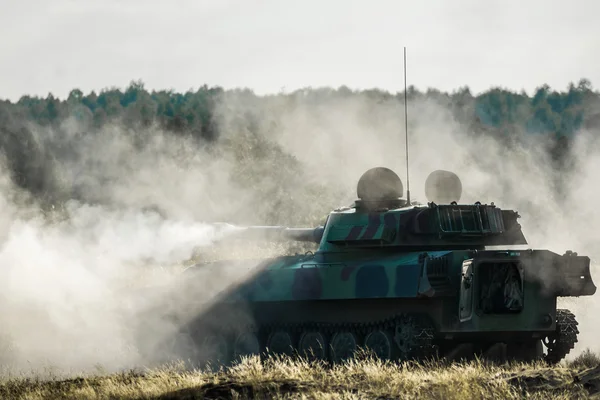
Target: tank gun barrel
277 233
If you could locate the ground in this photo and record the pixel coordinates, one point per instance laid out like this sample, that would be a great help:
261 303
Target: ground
361 378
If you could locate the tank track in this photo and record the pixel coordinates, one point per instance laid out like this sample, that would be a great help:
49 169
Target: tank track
412 336
404 337
560 342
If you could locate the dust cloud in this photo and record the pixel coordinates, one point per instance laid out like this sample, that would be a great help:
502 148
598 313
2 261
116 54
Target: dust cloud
80 285
144 206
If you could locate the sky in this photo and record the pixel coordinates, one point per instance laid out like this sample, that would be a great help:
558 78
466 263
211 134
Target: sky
271 46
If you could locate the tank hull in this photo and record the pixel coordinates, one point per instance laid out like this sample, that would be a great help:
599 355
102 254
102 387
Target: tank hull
399 305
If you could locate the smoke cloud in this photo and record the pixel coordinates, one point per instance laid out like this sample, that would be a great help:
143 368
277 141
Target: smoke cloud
81 286
145 201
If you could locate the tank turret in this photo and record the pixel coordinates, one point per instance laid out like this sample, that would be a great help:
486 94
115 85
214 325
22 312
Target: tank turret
382 218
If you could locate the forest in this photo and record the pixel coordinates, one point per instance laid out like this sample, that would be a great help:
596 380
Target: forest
40 136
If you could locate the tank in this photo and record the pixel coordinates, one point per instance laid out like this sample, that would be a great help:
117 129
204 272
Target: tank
401 279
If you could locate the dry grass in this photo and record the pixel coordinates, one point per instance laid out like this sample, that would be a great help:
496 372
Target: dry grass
359 379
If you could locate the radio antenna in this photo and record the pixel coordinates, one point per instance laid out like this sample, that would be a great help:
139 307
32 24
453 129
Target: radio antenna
406 131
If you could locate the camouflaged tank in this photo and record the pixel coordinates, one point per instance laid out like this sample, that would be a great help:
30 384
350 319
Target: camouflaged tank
403 280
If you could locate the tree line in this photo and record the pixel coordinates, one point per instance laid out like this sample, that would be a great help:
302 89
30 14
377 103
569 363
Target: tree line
547 111
556 116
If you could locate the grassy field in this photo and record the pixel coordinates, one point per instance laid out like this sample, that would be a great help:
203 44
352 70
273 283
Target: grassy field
358 379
